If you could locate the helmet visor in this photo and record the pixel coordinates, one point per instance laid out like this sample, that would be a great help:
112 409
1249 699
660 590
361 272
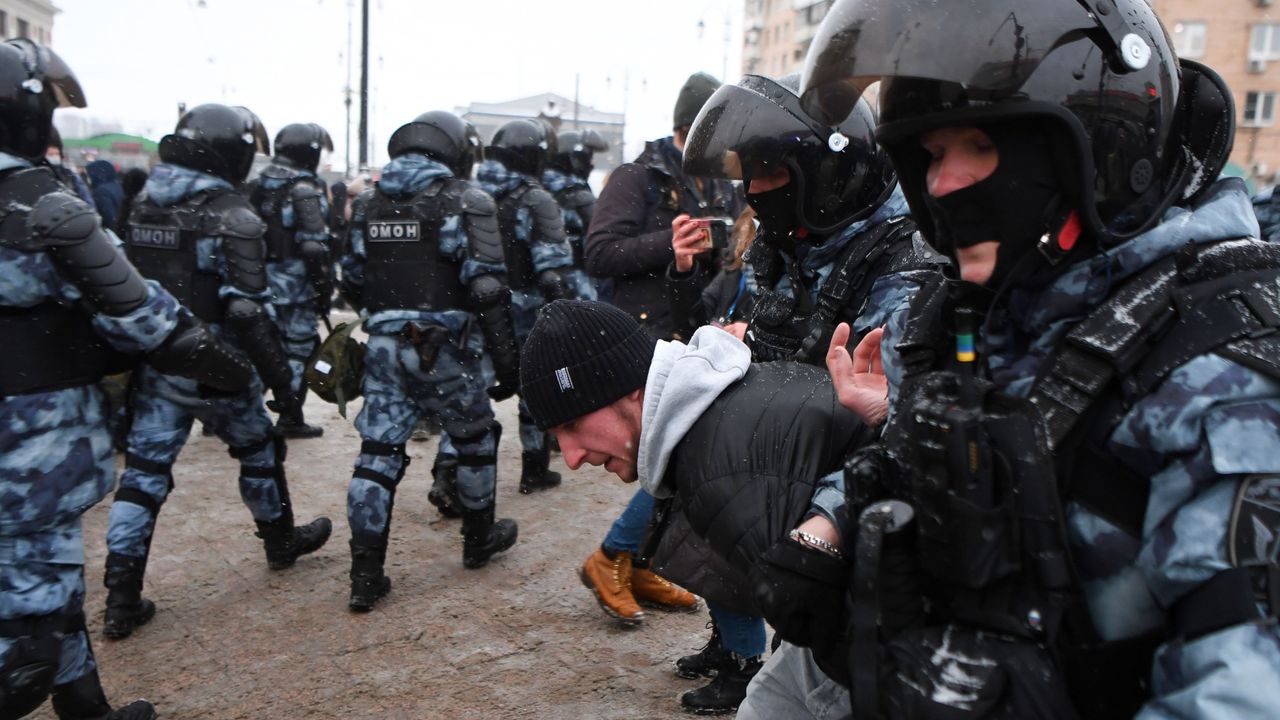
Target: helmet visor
862 41
65 86
744 127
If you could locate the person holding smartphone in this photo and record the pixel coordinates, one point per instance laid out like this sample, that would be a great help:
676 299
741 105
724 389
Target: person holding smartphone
728 300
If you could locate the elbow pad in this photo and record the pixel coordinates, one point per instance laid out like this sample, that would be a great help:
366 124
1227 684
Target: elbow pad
554 285
193 351
242 246
261 341
68 228
492 301
480 219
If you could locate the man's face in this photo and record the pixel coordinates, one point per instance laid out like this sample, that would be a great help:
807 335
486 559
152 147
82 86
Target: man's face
608 437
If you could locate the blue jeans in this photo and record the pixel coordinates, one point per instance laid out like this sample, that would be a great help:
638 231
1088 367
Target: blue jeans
743 635
628 530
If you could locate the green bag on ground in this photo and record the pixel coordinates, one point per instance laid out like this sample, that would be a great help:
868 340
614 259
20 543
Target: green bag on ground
335 369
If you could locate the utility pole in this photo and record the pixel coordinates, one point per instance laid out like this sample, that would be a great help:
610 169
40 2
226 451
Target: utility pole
364 84
347 89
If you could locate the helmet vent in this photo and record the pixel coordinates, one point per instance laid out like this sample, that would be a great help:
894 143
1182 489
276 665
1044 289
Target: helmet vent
1141 175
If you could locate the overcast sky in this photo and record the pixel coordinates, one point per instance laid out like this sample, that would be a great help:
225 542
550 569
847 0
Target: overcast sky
287 59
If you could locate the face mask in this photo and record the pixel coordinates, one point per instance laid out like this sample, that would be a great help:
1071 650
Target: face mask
54 160
1015 205
776 209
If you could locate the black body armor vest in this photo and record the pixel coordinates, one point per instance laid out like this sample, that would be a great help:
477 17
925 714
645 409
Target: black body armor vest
404 268
269 204
161 243
53 345
519 259
795 327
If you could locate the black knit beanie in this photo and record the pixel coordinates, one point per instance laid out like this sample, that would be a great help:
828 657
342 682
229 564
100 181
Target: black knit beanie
581 356
695 93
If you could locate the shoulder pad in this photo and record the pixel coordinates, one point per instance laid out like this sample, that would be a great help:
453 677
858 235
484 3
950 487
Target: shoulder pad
478 202
237 219
277 171
303 190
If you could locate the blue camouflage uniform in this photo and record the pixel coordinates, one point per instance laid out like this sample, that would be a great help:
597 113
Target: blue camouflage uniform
293 293
1266 205
165 406
497 180
575 227
56 457
1211 423
398 391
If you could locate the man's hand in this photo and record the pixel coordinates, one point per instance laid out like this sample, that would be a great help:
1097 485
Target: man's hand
859 379
688 240
736 329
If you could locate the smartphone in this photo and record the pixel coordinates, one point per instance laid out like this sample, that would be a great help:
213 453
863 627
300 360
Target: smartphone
717 231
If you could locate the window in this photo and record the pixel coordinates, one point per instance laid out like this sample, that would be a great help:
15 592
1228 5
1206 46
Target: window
4 24
1188 39
23 28
1259 108
1265 42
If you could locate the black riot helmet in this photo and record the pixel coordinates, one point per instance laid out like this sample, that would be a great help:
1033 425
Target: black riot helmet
838 173
1129 132
441 136
574 151
216 139
33 81
521 145
300 145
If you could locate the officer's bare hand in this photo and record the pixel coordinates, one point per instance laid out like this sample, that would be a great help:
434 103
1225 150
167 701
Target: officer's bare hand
688 240
859 378
736 329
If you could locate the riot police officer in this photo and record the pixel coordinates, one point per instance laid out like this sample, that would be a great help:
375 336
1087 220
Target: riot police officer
426 263
565 177
1085 425
68 301
196 235
291 200
539 258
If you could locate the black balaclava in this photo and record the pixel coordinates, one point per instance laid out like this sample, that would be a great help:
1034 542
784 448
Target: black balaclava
1017 204
776 209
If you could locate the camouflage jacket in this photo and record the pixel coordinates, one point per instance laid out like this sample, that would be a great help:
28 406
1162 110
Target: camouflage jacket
1210 423
287 279
56 457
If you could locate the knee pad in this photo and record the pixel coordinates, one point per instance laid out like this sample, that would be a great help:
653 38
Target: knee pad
138 497
371 447
29 668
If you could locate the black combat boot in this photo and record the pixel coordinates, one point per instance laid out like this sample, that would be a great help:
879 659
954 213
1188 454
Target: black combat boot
482 538
368 582
726 691
444 489
126 608
707 661
534 474
297 429
285 543
83 699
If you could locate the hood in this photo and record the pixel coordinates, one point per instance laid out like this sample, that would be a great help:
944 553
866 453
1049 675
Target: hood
661 155
408 174
497 179
100 172
555 181
171 184
1039 318
683 381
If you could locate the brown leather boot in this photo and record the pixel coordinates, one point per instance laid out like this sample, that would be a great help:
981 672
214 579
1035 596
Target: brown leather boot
653 591
610 580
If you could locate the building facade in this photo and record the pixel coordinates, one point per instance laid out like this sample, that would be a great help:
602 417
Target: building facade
27 19
1239 39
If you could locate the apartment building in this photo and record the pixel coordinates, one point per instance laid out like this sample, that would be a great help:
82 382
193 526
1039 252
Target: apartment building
27 19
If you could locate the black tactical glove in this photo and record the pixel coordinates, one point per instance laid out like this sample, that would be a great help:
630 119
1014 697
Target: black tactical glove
801 591
505 388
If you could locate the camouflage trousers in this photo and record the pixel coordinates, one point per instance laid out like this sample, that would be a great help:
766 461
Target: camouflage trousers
297 326
524 311
164 408
42 574
398 391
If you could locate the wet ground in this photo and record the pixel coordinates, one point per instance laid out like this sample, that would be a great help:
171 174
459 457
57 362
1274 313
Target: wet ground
520 638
